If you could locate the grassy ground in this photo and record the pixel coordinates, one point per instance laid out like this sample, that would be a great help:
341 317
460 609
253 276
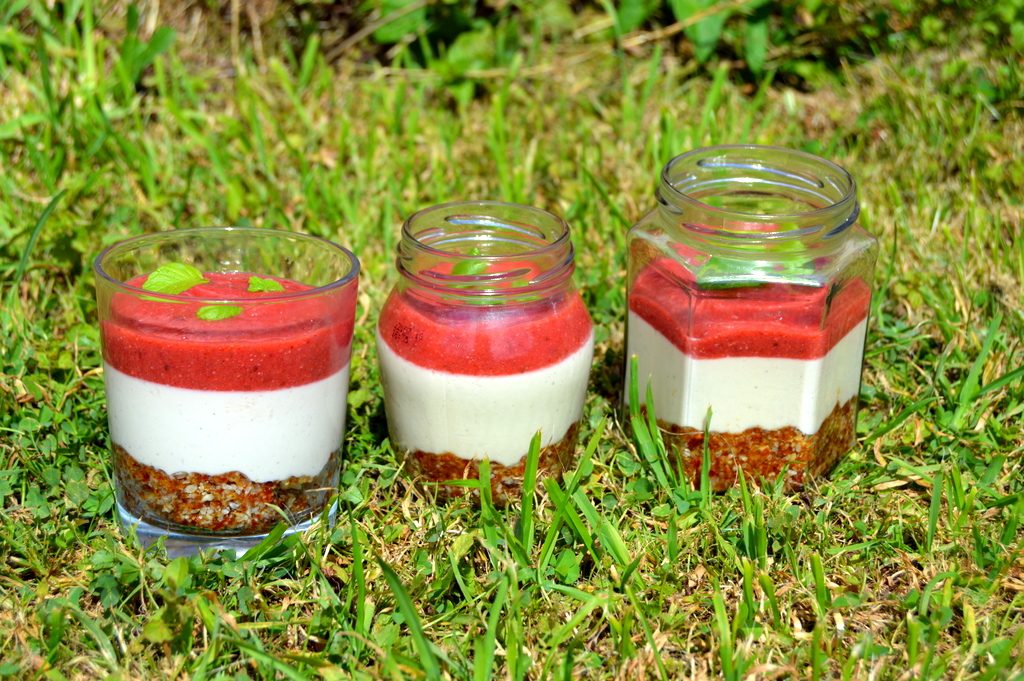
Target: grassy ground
906 563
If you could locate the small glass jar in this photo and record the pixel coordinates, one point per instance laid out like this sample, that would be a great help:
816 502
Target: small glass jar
226 364
483 342
749 290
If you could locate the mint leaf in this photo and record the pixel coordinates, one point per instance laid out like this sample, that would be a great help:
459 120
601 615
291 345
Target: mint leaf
173 278
469 267
261 285
466 268
726 273
213 313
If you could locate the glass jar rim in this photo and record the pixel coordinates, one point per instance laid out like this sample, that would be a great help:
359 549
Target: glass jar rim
142 240
835 217
487 216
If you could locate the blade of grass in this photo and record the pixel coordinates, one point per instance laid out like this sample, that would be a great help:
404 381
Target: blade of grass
1006 379
898 420
362 625
768 588
261 656
103 642
526 521
583 466
483 664
819 659
33 236
568 513
569 627
648 633
723 631
405 605
938 485
615 209
822 596
705 465
969 389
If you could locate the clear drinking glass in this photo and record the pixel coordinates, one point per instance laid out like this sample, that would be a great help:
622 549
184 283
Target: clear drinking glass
483 342
749 291
226 364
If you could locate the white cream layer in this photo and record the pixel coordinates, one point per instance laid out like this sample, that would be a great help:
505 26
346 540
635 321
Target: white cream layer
477 417
744 392
264 434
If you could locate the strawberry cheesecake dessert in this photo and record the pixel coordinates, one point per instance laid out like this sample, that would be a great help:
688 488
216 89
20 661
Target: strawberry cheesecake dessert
226 388
750 326
483 343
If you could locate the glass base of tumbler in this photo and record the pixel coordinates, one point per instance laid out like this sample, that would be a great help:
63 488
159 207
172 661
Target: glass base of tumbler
177 543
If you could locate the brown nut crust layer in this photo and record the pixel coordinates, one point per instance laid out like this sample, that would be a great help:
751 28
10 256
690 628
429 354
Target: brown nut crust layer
506 481
228 504
765 453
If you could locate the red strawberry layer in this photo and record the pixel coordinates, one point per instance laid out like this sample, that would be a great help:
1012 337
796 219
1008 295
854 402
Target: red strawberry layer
484 340
271 344
770 320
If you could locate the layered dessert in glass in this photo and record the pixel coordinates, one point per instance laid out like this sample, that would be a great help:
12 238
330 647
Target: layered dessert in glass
226 364
747 312
483 343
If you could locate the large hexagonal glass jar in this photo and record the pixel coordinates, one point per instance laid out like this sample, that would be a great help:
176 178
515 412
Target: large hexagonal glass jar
749 291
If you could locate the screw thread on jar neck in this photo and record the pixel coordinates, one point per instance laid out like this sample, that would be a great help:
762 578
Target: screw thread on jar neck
750 196
486 250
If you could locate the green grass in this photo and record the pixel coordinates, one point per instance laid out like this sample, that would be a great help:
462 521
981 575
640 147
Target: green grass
906 563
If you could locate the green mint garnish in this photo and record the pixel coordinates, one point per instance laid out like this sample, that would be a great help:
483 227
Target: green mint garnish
471 268
723 273
173 278
213 313
261 285
468 268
